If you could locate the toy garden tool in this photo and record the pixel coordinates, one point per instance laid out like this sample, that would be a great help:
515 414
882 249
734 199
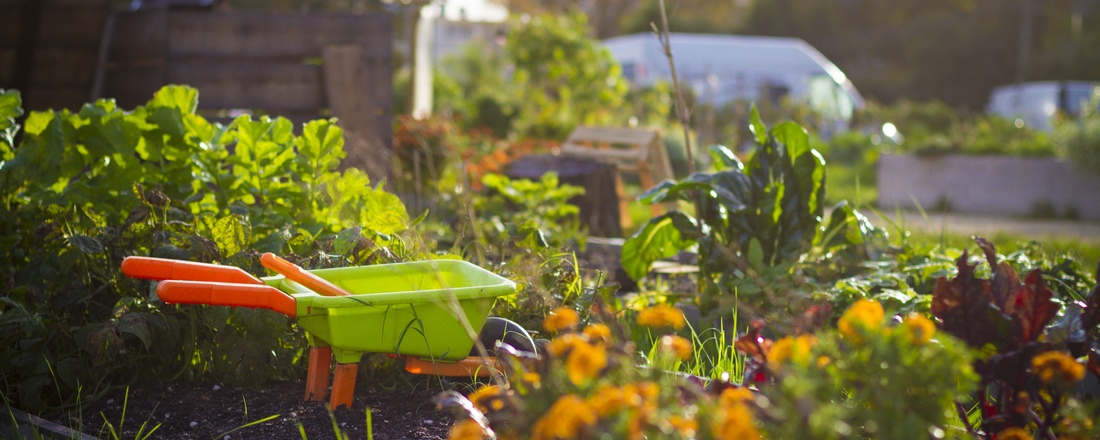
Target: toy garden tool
301 276
409 310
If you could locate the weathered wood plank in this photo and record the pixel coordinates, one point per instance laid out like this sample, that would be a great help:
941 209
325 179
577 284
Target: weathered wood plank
42 98
139 37
11 26
63 67
269 34
259 86
134 86
7 67
71 26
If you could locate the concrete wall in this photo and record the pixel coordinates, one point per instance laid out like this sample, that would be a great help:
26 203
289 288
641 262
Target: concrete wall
1013 186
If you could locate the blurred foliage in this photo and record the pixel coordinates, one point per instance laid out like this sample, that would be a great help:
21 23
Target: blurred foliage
914 49
1078 140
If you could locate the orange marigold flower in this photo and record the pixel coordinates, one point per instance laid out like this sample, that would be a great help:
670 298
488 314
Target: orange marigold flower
919 328
686 426
561 318
661 316
646 392
565 419
735 422
1013 433
676 346
562 344
864 313
790 349
598 332
735 396
486 396
610 399
532 377
585 362
466 430
1057 368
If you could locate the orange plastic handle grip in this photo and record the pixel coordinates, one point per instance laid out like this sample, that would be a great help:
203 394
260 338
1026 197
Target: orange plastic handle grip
227 294
301 276
164 269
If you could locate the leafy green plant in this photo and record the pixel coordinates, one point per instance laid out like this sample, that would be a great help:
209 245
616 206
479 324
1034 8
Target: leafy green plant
755 220
867 378
84 190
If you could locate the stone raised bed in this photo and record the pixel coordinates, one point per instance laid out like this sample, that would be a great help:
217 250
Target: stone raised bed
1003 185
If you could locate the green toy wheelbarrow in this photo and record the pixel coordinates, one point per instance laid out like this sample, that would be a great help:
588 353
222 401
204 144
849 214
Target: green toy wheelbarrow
420 311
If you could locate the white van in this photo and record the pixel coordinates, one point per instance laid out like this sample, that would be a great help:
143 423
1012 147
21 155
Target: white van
1036 103
724 68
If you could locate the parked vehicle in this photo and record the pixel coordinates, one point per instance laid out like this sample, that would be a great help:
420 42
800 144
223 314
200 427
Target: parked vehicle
725 68
1036 104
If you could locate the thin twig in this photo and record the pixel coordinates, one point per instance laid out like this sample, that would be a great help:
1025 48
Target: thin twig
663 36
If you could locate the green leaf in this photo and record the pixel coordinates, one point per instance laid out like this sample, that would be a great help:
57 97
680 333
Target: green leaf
384 212
86 244
757 127
11 108
137 324
185 99
232 234
346 240
725 156
659 238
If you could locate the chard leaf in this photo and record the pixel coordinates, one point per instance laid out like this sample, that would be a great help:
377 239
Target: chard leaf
659 238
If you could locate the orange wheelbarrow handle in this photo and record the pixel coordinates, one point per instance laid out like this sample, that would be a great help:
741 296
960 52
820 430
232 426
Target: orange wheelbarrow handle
150 268
227 294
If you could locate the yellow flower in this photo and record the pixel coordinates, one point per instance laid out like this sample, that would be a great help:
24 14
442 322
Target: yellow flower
661 316
1057 368
735 396
598 332
532 377
685 426
562 344
790 349
565 419
735 422
609 399
919 328
823 361
1013 434
487 394
864 313
585 362
676 346
645 392
466 430
561 318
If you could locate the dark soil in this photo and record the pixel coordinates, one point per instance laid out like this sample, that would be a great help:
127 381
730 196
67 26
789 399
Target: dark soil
209 411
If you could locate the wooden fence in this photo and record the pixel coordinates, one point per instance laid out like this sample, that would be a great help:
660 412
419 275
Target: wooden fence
63 53
302 66
49 50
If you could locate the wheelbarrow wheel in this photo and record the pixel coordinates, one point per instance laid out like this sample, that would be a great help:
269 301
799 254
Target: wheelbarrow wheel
508 332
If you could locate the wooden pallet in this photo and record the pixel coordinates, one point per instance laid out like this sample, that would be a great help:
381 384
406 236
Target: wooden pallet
640 151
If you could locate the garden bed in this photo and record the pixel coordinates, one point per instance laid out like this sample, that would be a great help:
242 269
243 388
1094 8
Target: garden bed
194 410
1015 186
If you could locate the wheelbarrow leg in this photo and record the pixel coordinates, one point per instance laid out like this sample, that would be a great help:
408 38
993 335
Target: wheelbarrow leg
343 385
320 359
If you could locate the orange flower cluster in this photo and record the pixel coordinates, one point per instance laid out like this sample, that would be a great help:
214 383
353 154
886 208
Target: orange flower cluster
1057 368
661 316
